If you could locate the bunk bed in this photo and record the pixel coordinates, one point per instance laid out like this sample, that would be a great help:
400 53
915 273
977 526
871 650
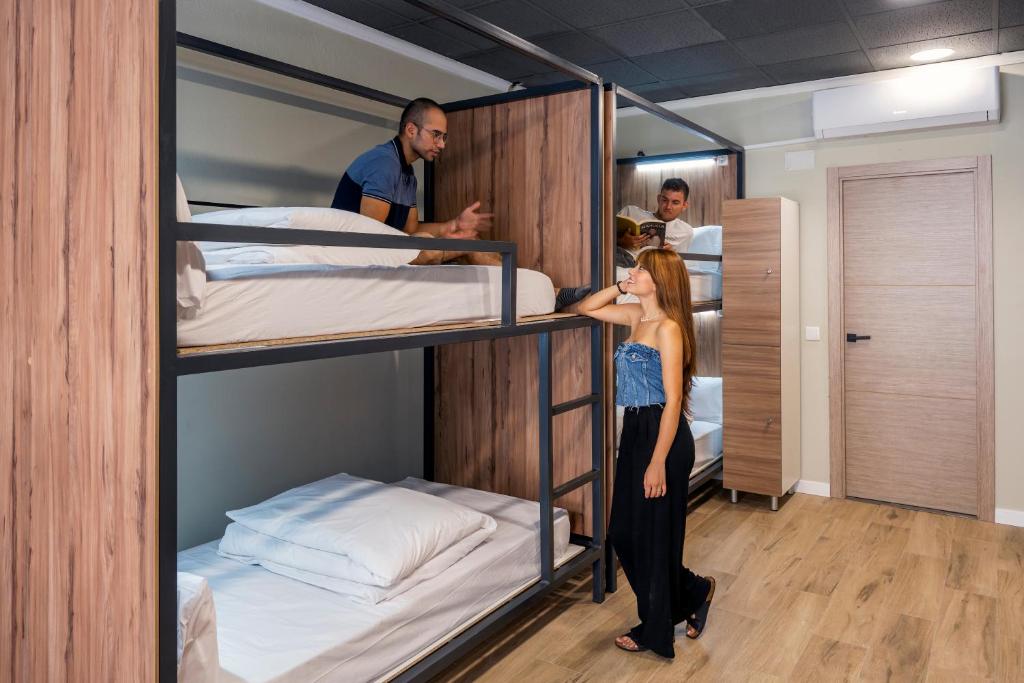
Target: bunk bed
500 361
708 189
532 550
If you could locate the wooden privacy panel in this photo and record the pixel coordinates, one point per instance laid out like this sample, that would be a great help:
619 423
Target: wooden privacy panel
529 163
77 341
709 186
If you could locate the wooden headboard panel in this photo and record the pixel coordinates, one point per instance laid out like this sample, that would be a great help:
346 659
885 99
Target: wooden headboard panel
529 162
709 187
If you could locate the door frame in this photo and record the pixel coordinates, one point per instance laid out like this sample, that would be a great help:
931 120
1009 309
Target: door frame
982 168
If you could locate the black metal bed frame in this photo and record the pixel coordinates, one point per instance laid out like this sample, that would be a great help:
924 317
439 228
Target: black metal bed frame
728 147
172 365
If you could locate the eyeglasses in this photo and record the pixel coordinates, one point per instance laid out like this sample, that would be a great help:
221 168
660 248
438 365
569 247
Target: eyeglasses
437 135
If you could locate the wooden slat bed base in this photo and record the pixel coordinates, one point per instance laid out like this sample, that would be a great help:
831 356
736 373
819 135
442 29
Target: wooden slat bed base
394 332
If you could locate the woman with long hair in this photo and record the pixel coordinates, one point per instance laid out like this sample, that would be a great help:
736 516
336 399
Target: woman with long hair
654 371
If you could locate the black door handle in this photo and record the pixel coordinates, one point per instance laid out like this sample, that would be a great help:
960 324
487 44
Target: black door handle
853 337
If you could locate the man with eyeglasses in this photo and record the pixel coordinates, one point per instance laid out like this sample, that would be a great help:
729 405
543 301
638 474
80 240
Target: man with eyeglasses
381 184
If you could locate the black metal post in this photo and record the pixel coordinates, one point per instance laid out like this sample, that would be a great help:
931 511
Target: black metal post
547 547
428 412
508 287
167 457
597 456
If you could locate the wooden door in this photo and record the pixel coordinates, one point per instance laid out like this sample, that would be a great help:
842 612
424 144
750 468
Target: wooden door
751 261
910 265
752 428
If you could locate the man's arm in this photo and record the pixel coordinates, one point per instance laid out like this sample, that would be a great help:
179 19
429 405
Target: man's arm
466 226
376 209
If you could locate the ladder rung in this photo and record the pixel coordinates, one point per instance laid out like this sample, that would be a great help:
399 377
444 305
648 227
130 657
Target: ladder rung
574 404
574 484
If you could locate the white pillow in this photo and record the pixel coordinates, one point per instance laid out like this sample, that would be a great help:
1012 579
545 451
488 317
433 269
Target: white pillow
328 570
309 218
707 239
706 399
198 659
385 532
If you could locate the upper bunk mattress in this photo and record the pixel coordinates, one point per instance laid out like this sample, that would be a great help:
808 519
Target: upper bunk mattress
275 629
266 301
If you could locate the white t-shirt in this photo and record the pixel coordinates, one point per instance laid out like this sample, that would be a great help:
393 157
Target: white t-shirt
678 233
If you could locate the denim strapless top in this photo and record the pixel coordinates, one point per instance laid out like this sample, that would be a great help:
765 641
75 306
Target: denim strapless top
638 375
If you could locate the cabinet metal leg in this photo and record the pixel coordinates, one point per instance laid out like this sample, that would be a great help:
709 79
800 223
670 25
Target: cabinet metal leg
734 496
775 503
792 489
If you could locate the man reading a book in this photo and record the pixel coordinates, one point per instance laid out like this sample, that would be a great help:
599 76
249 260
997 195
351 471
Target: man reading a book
672 201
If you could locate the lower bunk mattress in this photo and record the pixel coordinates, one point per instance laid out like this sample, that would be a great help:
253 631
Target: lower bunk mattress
274 629
244 303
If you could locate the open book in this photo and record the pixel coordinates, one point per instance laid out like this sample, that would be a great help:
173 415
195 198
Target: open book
652 227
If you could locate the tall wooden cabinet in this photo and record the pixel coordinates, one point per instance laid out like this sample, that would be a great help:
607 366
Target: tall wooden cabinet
761 345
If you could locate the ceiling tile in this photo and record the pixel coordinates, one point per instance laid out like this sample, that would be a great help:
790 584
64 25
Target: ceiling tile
743 18
588 13
820 67
431 39
622 72
800 43
548 78
924 22
860 7
465 36
1011 39
895 56
504 63
576 47
404 9
519 18
660 33
1011 12
743 79
692 61
364 12
659 92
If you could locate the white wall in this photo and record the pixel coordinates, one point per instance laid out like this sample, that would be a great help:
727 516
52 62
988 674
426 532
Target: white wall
761 120
248 137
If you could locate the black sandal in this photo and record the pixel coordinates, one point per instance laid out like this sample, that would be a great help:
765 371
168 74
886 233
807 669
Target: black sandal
698 620
638 648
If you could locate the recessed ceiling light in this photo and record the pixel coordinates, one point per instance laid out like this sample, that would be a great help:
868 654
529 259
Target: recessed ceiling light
931 55
900 111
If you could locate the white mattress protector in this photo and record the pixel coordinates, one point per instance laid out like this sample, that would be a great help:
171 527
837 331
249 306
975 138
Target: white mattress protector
267 301
271 628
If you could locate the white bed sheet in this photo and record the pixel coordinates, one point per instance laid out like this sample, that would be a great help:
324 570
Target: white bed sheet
707 443
266 301
271 628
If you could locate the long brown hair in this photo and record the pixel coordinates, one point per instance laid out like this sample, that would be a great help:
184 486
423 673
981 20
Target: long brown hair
672 289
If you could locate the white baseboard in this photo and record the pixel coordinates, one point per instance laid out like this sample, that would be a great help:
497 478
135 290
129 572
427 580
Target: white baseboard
1010 517
813 488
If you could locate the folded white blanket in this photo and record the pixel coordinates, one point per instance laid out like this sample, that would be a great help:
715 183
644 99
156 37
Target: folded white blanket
377 534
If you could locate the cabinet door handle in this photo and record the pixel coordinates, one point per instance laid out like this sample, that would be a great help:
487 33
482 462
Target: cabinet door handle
769 422
768 271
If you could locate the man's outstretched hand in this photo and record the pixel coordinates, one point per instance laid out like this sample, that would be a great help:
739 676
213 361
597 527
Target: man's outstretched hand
469 224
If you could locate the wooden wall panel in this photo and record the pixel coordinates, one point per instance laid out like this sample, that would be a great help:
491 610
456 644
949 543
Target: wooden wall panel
709 186
77 341
529 163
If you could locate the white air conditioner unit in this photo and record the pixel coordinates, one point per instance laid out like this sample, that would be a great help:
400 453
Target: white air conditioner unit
934 97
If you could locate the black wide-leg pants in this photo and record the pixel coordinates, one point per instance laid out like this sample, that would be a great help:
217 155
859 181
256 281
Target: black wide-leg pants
647 533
